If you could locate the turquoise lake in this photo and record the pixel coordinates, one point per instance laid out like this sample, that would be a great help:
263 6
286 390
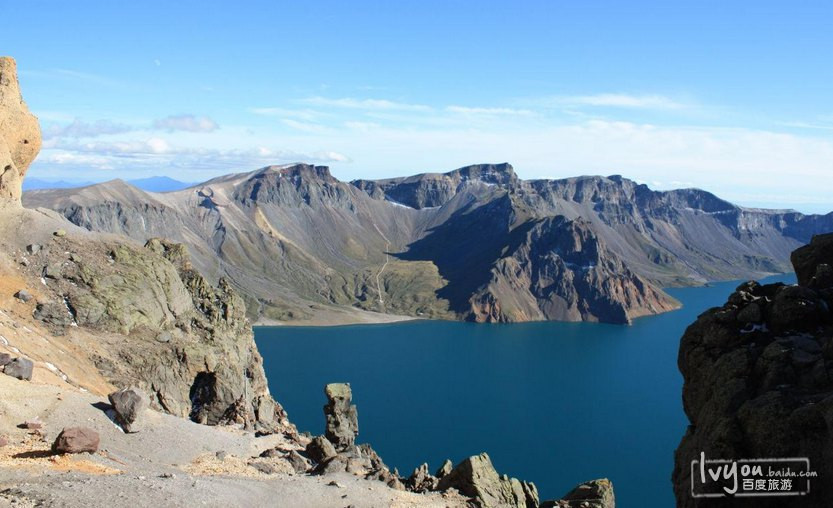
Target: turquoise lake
553 403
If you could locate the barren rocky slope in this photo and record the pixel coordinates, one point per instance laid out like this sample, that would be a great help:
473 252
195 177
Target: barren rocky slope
758 382
476 243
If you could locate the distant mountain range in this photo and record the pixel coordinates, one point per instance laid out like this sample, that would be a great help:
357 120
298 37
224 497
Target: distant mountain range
476 243
151 184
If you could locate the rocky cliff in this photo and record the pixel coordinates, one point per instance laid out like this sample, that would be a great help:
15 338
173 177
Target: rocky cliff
758 382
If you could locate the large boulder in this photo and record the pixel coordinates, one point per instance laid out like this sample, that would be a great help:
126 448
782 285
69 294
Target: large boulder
76 440
20 137
476 477
342 417
128 404
20 368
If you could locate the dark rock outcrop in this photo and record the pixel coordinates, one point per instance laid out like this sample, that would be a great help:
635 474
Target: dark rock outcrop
758 381
813 262
76 440
129 404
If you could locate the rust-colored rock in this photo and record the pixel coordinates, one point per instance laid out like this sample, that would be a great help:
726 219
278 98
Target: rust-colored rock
76 440
20 137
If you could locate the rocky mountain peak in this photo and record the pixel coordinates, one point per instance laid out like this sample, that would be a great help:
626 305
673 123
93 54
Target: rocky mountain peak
499 174
20 137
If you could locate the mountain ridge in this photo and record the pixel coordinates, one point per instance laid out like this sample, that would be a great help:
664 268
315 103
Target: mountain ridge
301 244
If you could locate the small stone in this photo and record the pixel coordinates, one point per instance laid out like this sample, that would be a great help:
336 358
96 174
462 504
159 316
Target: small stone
32 425
52 271
335 484
23 295
298 462
264 467
270 453
5 359
320 449
33 248
76 440
221 455
164 337
3 441
20 368
171 476
60 233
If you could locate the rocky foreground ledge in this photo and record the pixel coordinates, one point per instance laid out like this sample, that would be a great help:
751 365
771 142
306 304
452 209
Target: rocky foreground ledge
758 377
125 454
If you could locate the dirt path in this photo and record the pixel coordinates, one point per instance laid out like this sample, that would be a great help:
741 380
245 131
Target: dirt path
379 274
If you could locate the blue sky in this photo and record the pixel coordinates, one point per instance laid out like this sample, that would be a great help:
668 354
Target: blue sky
736 99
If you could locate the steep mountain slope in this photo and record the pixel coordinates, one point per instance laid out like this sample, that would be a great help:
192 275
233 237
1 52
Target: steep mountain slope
476 243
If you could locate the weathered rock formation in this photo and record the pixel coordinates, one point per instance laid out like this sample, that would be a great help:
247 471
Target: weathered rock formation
342 418
190 344
758 379
20 137
476 478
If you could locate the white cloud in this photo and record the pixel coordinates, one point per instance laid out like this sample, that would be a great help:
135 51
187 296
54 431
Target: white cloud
81 129
187 123
464 110
366 104
304 126
299 114
615 100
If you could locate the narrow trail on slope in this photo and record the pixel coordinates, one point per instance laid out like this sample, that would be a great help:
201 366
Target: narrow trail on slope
379 274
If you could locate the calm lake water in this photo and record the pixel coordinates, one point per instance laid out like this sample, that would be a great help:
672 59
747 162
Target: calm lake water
553 403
